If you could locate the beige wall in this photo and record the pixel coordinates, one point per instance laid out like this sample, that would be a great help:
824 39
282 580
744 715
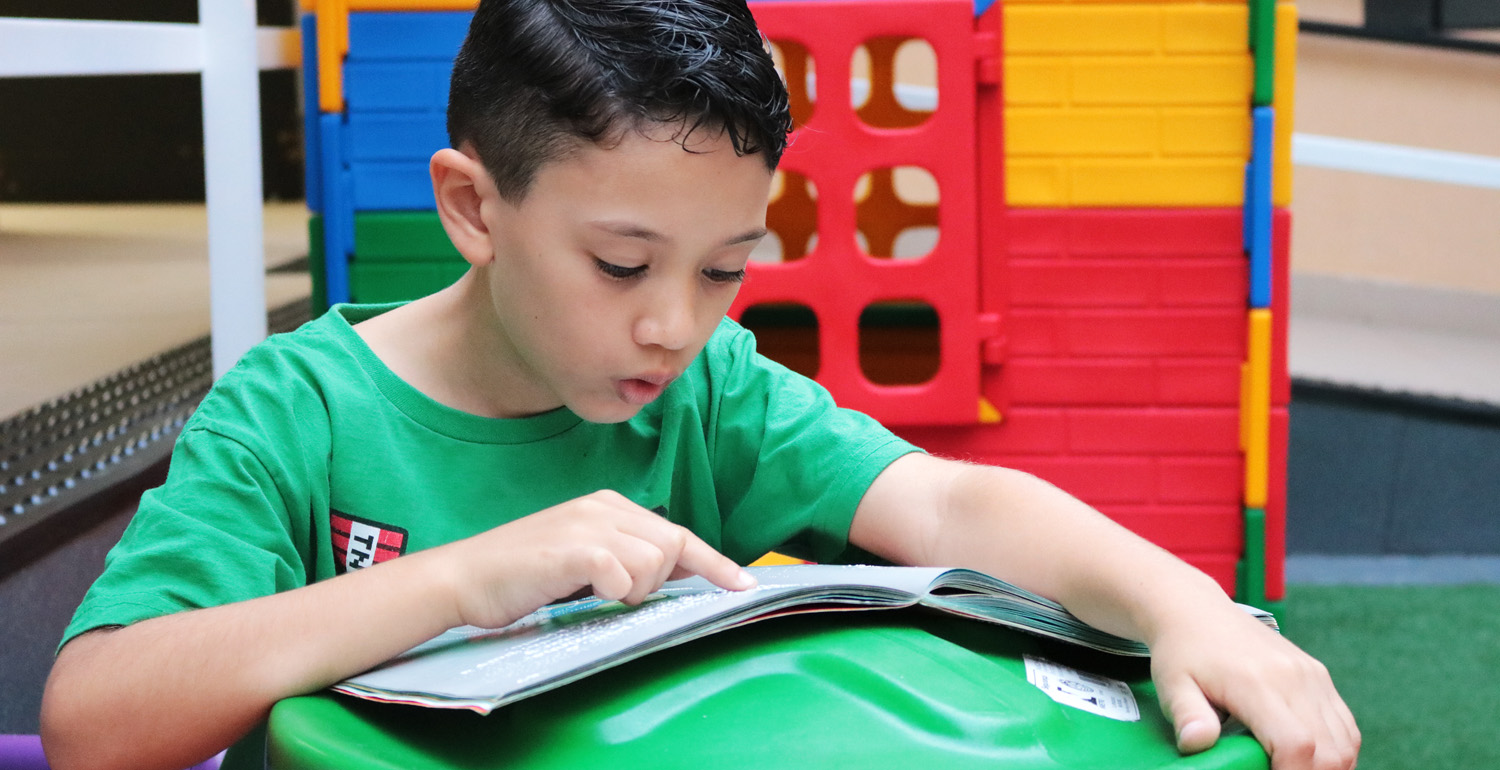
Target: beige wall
1364 226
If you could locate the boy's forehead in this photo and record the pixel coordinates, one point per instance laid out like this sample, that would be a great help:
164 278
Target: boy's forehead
668 153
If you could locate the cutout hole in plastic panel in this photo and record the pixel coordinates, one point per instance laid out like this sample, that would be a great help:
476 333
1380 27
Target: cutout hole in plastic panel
894 81
896 211
786 333
899 342
792 218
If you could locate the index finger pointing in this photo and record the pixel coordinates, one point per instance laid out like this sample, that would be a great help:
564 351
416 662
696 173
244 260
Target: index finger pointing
699 558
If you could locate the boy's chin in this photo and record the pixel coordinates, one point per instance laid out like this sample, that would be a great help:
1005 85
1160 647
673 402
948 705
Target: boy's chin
606 414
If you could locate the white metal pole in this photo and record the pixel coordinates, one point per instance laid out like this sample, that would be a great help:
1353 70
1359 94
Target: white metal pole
231 167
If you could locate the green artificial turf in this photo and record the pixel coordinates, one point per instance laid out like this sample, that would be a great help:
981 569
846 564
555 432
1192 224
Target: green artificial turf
1418 665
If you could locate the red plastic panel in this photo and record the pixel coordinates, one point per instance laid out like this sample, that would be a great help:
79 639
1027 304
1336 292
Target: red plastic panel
989 110
1185 529
1142 333
1162 282
837 281
1070 381
1208 282
1198 232
1119 381
1216 479
1154 431
1281 282
1101 481
1199 382
1025 430
1276 505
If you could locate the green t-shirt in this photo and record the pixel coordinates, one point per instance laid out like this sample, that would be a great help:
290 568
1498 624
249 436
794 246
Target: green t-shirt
310 457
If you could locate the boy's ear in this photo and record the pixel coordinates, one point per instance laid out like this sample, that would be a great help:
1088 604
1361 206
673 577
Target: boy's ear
461 186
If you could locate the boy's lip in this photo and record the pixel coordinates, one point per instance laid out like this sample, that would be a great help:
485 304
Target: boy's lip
643 389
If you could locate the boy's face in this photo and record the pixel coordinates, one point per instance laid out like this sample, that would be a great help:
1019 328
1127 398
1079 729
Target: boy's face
613 272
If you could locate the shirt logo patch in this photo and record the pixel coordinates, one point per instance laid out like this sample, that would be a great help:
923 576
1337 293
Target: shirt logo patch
360 542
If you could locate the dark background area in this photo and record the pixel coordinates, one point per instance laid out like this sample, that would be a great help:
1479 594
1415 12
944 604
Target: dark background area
1373 473
120 138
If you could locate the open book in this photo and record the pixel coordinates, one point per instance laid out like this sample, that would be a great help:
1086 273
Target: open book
481 669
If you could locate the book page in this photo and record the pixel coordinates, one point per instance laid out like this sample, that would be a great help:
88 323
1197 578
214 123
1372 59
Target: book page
479 669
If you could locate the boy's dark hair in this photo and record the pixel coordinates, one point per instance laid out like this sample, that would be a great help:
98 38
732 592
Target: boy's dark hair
533 76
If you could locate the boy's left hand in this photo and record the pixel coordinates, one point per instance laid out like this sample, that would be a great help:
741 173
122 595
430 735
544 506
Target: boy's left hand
1206 652
1281 693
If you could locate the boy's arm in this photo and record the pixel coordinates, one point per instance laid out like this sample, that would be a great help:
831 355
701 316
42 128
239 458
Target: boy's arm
1206 652
172 691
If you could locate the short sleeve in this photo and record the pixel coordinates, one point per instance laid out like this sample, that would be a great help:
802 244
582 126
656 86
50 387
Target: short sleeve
219 530
797 464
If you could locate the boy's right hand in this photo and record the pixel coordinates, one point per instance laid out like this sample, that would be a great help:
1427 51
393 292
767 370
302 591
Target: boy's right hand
601 540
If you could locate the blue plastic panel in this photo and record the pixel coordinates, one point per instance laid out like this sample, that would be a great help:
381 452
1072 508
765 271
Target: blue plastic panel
338 209
389 85
407 34
1258 206
391 186
395 135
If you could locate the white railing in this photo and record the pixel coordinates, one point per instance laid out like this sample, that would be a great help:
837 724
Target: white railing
1396 160
227 48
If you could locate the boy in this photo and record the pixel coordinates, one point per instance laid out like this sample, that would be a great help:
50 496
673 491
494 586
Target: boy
509 437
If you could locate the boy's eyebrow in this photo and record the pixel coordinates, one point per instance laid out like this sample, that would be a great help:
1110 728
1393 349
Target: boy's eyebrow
632 230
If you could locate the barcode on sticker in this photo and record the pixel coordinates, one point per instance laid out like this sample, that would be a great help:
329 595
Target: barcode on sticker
1090 692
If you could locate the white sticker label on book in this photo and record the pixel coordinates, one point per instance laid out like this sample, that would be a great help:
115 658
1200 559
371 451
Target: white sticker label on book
1095 694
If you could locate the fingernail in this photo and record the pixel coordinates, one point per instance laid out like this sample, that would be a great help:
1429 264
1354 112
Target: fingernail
1189 729
747 580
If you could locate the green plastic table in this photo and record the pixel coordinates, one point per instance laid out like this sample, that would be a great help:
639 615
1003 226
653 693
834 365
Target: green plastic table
870 690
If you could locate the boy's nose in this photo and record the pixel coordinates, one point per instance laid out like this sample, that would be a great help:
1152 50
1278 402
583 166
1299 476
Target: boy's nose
667 322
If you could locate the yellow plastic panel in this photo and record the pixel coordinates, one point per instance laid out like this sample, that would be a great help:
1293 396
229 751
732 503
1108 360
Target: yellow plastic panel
1190 131
1126 104
1178 80
333 45
1052 132
1111 182
1036 183
1036 81
1053 29
988 414
774 559
1285 82
1205 29
1255 409
1157 183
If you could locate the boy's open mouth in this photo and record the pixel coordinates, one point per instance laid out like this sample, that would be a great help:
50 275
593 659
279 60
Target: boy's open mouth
641 391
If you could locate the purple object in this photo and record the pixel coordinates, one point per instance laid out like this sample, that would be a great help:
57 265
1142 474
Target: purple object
24 752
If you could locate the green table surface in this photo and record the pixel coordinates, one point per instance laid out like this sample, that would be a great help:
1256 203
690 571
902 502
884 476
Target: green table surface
869 690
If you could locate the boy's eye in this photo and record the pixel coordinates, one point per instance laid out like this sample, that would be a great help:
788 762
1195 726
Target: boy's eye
618 271
724 276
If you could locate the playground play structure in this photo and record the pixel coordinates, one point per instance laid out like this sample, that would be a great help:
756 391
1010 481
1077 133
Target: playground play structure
1064 252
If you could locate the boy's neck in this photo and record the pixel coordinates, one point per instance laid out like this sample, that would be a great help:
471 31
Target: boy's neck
443 346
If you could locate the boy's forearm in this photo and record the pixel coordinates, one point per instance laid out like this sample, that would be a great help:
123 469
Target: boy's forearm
1050 542
925 510
174 690
171 691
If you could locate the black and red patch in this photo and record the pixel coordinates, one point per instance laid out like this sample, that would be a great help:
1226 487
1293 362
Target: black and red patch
359 542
